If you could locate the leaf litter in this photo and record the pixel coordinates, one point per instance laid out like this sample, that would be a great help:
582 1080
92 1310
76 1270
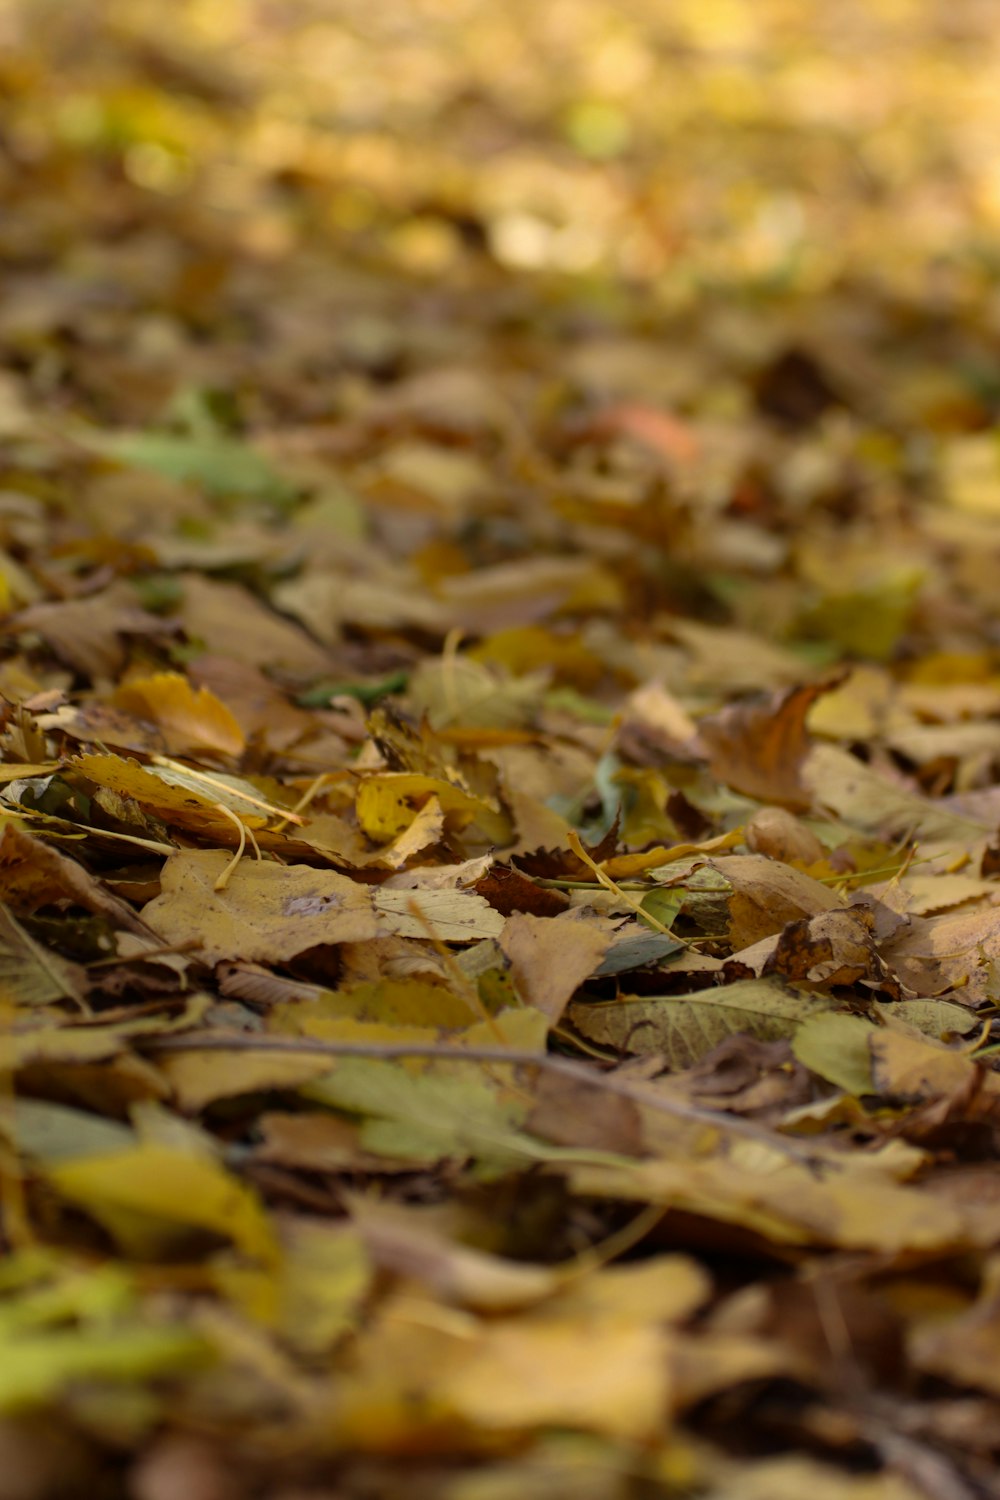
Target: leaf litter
499 752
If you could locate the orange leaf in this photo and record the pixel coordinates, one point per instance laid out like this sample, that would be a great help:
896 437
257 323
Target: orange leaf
191 718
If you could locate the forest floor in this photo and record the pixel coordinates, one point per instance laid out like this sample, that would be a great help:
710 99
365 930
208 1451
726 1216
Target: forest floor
499 799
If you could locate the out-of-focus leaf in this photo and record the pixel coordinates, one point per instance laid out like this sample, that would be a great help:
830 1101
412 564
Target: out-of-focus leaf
837 1048
940 1019
219 465
759 748
201 1078
432 1115
51 1132
367 693
862 1207
190 718
844 784
36 1368
505 1376
152 1198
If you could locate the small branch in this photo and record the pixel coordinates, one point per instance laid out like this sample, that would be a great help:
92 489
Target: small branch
563 1067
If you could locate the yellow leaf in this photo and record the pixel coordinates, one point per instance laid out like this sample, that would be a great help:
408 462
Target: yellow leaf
201 1078
312 1295
152 1197
266 911
191 718
34 1368
663 1289
604 1376
622 866
427 1364
389 801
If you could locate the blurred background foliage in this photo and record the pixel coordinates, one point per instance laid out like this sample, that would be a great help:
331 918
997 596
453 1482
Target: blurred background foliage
673 143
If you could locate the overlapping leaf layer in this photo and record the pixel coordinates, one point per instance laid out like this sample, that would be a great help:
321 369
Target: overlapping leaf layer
499 799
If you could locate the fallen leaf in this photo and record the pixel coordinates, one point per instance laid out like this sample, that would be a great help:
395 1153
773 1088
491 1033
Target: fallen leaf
36 1368
550 957
449 916
767 895
216 463
759 749
266 911
29 973
836 1047
684 1028
833 948
914 1068
190 718
152 1198
853 791
429 1116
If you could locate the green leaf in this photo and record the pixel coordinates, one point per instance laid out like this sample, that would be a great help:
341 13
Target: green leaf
367 693
217 464
836 1047
663 905
35 1369
427 1116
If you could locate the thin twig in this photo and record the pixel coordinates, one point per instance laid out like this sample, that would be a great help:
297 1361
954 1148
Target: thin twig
564 1067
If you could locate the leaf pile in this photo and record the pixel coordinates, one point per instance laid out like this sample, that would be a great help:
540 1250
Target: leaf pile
499 746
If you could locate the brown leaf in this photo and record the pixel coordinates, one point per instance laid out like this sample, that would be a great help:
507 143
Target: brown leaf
570 1114
550 957
767 895
749 1077
89 633
758 748
833 948
231 622
34 874
776 832
508 890
914 1068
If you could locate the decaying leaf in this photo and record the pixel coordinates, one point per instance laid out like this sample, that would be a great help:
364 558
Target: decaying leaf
551 956
760 750
31 975
265 911
767 895
683 1028
499 751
